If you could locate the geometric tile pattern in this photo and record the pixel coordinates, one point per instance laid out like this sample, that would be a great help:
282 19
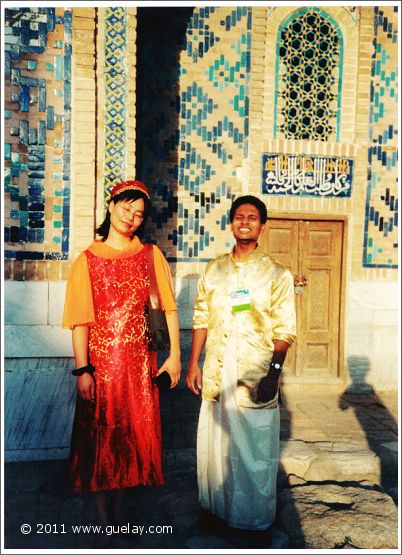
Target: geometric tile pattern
115 75
37 61
212 138
308 73
380 248
214 117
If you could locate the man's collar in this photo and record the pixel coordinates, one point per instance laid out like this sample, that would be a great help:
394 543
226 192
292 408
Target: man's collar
251 257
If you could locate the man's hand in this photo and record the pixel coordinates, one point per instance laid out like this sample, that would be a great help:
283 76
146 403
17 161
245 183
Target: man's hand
268 387
193 379
86 387
172 365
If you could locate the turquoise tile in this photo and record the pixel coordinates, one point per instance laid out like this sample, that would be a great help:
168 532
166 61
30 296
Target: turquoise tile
58 68
24 218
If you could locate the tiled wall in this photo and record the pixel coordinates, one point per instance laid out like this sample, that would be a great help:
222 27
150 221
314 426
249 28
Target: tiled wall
197 165
115 78
207 118
116 109
38 53
205 143
356 29
214 128
381 218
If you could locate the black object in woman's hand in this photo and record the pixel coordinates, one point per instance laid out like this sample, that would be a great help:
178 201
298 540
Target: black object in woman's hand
163 381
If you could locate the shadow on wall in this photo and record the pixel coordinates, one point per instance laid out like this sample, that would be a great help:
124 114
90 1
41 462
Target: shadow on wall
161 37
358 368
364 401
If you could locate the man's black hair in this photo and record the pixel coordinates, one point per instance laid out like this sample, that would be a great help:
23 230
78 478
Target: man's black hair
130 194
249 199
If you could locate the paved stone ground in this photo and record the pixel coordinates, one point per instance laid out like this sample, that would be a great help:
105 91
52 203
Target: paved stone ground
333 446
35 491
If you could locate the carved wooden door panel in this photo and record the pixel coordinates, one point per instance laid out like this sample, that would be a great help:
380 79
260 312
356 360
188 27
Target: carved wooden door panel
312 250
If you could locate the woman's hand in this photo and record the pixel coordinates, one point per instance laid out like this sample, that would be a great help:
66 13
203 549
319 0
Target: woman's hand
172 365
86 387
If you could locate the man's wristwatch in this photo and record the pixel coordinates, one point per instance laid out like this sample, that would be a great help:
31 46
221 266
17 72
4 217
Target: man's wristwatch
276 367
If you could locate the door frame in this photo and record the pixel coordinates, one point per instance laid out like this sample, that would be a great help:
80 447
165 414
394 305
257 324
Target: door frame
279 215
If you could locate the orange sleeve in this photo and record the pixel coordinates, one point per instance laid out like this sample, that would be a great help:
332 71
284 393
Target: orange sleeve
164 281
79 306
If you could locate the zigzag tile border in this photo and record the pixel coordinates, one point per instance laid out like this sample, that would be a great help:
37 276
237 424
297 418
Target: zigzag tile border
380 247
115 75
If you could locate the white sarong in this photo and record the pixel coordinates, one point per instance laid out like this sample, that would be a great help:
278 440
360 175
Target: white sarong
237 456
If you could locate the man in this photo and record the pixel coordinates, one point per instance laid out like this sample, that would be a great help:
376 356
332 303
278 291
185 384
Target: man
245 312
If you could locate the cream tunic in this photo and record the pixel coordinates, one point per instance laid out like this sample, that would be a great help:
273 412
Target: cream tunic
271 316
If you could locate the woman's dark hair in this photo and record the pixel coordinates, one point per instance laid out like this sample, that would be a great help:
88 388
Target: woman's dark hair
249 199
130 194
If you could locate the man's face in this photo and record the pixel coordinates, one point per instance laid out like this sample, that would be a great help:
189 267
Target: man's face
246 226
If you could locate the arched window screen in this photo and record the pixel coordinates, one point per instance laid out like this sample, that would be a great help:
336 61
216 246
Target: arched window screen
308 77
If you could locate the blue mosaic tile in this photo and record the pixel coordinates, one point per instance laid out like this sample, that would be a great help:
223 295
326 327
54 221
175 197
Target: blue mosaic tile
381 204
32 136
32 132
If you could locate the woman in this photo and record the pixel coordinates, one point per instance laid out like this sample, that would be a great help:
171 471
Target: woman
116 438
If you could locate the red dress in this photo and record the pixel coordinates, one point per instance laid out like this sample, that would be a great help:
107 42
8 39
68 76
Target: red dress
116 440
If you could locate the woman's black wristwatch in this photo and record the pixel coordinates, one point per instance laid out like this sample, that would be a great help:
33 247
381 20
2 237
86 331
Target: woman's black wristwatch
79 371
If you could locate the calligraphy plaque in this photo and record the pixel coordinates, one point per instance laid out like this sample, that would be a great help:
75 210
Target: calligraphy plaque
307 175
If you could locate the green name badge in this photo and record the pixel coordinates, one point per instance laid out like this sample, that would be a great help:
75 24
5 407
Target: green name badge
240 300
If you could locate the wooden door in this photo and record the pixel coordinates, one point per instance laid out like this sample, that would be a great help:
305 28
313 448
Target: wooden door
312 250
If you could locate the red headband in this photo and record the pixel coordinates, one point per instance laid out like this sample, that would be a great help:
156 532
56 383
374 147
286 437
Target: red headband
129 185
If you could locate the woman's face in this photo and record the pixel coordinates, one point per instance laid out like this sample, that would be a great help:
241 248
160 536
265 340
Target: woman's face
126 216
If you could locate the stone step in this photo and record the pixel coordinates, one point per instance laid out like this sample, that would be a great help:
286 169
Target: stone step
340 462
